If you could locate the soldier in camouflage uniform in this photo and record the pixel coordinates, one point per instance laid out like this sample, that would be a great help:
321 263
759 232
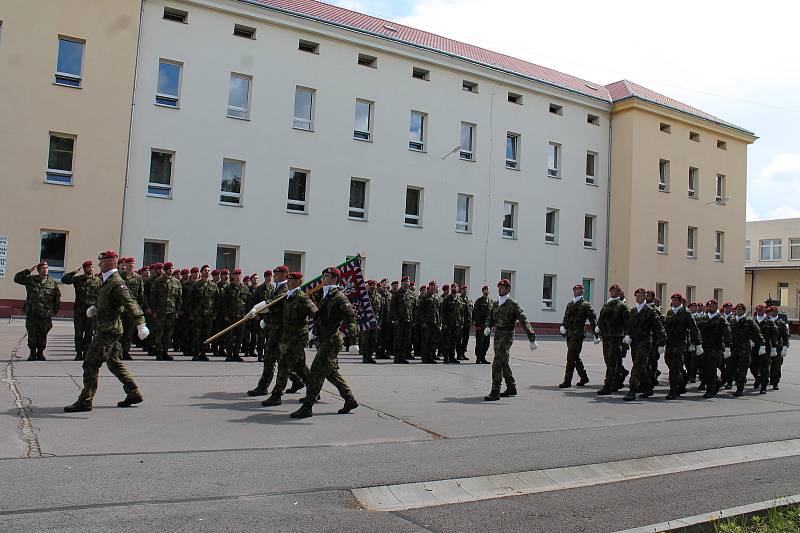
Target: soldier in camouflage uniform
274 324
680 327
652 367
760 365
297 309
370 338
782 348
220 345
429 323
42 301
444 332
86 285
334 312
187 341
481 310
167 301
260 294
453 321
113 299
402 315
505 319
611 327
573 329
643 332
203 309
745 335
693 362
466 307
234 302
716 345
387 330
156 273
135 284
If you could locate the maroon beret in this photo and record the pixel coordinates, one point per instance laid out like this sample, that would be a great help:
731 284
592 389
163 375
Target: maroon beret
168 264
108 254
237 271
194 270
504 283
295 275
87 263
333 271
267 272
282 268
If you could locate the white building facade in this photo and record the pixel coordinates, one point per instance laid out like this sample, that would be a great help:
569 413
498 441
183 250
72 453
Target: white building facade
229 164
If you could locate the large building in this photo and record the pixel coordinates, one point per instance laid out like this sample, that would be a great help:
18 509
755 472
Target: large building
66 80
772 264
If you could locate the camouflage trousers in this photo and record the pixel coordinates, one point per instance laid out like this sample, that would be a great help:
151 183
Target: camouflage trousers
402 340
271 355
574 362
428 338
326 366
236 338
709 364
481 342
775 364
84 329
106 349
38 327
202 328
165 326
453 336
292 363
128 329
736 367
673 356
760 366
612 355
692 365
387 338
501 369
640 378
463 342
368 343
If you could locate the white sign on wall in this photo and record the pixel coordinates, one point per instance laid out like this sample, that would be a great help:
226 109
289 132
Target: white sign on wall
3 254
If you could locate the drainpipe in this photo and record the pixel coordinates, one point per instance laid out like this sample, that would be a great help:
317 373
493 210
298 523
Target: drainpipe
608 206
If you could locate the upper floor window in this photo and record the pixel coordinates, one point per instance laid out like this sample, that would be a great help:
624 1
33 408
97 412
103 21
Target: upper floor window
247 32
593 119
663 235
231 185
720 197
551 226
469 86
176 15
512 150
556 109
161 167
358 199
510 220
303 109
663 175
239 96
464 213
722 145
747 250
515 98
367 61
413 212
665 128
694 178
420 73
770 250
297 197
691 242
169 83
591 168
719 246
694 136
553 159
60 159
416 131
308 46
467 151
794 249
363 121
69 65
589 230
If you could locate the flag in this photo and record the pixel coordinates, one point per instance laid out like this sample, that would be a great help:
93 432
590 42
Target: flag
353 286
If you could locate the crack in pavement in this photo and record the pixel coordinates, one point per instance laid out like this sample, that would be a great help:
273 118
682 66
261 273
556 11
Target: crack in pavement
28 433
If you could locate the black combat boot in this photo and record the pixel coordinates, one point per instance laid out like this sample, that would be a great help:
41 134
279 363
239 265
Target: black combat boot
492 397
40 355
303 412
584 378
349 405
763 388
78 407
672 395
367 359
165 356
131 399
565 384
400 361
510 391
273 400
775 387
630 396
296 386
79 355
257 392
739 390
605 391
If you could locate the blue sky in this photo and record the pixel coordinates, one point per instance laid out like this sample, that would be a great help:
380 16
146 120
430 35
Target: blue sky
728 58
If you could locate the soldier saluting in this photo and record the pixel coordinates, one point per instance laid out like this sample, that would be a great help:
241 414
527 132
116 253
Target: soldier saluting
86 285
573 328
42 300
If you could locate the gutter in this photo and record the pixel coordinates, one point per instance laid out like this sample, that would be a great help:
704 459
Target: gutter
608 203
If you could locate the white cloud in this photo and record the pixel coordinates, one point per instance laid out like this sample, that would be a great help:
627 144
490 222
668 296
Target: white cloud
751 213
784 211
784 168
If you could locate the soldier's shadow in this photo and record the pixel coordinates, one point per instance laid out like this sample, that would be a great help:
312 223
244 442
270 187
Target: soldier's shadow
46 412
585 393
469 400
247 403
279 418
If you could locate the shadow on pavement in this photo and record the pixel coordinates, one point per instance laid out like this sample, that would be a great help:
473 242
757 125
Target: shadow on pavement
465 400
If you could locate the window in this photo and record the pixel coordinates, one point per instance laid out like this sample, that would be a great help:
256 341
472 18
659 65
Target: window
663 229
410 269
718 295
691 293
416 131
464 213
53 249
363 121
303 109
232 177
694 177
461 275
720 190
359 189
693 136
665 128
510 220
467 151
556 109
512 150
553 159
661 292
722 145
226 256
294 260
69 64
420 74
60 157
176 15
515 98
239 96
548 292
169 83
771 250
747 250
794 249
247 32
298 185
308 46
593 119
591 168
160 182
469 86
551 226
783 293
589 223
719 246
588 285
691 243
367 61
510 275
413 215
154 252
663 175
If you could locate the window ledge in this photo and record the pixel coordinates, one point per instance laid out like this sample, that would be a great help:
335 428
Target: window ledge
414 226
473 160
549 309
509 238
303 129
516 168
693 197
355 219
296 212
662 253
246 119
592 183
230 205
65 85
463 232
161 196
551 243
166 106
554 177
48 182
590 247
692 257
666 191
423 151
363 140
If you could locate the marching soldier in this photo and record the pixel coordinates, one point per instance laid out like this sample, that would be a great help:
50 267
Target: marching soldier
466 306
680 326
259 294
716 345
370 338
274 325
782 348
761 360
643 332
611 327
135 284
402 314
86 285
235 299
745 336
203 308
112 299
481 310
652 367
691 357
42 301
334 312
187 342
573 328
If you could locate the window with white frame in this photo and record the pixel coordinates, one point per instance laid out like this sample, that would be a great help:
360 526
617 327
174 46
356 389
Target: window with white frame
362 130
421 73
591 167
308 46
53 250
589 230
556 109
553 159
719 246
593 119
227 256
231 184
548 292
661 292
663 235
694 136
665 128
416 131
663 175
691 242
294 260
60 157
515 98
770 250
469 86
511 276
720 190
512 150
410 269
297 201
169 83
303 109
366 60
467 150
691 293
247 32
464 213
718 293
161 167
588 286
176 15
783 293
551 226
722 145
694 178
239 96
69 64
510 220
461 275
794 249
359 191
747 250
413 212
154 251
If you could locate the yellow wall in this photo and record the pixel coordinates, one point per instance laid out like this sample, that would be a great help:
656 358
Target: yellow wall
98 114
766 285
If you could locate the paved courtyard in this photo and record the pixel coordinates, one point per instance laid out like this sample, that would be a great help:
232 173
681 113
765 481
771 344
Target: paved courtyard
200 455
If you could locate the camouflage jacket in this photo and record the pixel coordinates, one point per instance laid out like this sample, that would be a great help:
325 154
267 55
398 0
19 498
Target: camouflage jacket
135 284
743 332
575 316
377 303
275 315
149 283
335 310
85 289
613 320
506 317
716 334
467 307
401 307
783 332
186 297
681 326
113 299
166 295
770 333
452 311
645 327
235 300
297 309
43 297
204 298
482 309
429 311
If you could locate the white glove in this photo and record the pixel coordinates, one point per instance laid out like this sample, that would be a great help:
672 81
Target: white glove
355 347
311 335
563 330
91 312
597 330
534 346
142 332
597 340
256 308
627 340
784 351
262 324
727 353
774 352
487 332
661 350
762 350
692 348
699 351
752 344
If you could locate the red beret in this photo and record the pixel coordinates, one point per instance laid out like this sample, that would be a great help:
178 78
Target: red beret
122 260
677 295
504 283
712 301
445 287
761 306
578 286
650 292
237 271
463 288
372 282
194 270
282 268
108 254
740 304
772 308
246 278
87 263
333 271
156 266
727 303
268 272
131 260
224 271
615 286
295 275
168 264
185 270
204 266
41 264
485 287
639 290
405 278
141 270
215 271
146 267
